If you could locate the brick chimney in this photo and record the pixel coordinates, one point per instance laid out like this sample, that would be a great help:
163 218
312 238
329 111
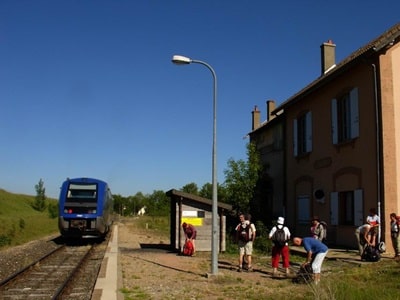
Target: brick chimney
255 118
327 56
270 108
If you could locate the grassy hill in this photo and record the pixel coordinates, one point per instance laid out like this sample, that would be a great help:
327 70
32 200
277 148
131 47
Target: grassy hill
20 223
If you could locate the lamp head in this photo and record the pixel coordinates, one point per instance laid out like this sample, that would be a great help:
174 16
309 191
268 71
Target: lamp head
181 60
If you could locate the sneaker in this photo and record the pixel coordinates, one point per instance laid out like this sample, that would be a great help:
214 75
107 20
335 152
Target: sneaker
250 269
240 270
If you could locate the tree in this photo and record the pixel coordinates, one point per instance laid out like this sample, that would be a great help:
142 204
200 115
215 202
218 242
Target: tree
191 188
206 192
158 204
40 200
241 178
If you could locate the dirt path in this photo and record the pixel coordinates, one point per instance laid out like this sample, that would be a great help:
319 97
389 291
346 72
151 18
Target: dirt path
150 272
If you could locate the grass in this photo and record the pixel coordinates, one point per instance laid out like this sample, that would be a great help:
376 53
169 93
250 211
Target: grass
340 280
20 223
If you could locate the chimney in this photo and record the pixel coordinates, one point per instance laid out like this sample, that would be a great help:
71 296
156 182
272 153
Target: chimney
270 108
327 56
256 118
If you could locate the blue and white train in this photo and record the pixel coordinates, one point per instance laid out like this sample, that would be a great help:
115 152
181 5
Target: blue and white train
85 208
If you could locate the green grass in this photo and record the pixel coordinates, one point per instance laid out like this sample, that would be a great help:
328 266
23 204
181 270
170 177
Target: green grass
20 223
340 280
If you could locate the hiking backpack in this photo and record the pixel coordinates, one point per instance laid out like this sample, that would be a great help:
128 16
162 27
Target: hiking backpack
371 254
279 237
304 275
324 229
188 248
244 233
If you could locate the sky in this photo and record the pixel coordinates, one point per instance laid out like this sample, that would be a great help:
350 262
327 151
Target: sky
88 89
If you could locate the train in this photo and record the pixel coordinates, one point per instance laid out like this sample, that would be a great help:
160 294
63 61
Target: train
85 208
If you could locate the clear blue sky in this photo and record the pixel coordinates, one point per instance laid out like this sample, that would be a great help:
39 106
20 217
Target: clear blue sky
87 88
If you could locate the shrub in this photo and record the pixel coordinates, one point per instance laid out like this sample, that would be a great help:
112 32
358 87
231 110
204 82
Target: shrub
52 209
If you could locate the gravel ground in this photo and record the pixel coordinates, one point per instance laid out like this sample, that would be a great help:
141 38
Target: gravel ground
15 258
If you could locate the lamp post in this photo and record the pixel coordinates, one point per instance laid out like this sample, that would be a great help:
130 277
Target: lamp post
183 60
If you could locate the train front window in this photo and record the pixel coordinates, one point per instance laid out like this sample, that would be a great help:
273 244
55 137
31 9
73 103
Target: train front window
82 193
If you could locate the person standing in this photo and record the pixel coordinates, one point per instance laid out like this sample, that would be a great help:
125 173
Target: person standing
190 234
395 234
316 252
362 236
245 236
374 220
280 235
317 229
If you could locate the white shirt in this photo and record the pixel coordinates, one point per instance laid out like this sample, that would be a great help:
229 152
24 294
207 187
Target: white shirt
285 229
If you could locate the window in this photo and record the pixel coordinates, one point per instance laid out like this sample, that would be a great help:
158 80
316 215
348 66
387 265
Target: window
345 123
82 192
278 137
303 209
302 134
346 208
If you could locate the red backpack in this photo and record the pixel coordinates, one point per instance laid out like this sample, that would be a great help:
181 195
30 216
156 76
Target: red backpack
188 248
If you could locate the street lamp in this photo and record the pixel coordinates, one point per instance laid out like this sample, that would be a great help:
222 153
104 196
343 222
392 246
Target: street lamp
183 60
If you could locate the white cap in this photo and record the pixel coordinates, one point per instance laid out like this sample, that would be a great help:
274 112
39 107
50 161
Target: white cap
281 221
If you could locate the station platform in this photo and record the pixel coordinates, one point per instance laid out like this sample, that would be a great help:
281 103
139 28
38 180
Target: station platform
108 282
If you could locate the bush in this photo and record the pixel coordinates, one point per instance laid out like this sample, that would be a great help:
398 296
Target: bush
4 240
21 224
52 209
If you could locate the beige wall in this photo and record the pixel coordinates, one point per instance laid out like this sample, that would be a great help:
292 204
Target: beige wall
335 168
390 91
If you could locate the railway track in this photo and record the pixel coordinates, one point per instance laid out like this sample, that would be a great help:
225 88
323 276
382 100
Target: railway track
68 272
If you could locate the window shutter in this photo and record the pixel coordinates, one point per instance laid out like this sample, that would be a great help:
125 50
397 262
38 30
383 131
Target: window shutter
309 132
354 121
295 143
334 121
358 208
334 208
303 209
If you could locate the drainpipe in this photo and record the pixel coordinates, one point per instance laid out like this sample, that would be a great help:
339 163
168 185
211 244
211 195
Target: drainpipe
378 152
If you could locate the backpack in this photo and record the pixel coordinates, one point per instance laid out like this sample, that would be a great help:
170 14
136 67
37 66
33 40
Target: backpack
244 233
279 237
304 275
188 248
371 254
323 226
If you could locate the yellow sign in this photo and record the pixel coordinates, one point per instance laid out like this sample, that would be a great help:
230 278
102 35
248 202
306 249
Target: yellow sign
193 221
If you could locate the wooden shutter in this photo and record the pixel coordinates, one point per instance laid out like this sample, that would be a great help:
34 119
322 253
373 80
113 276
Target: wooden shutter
358 208
354 117
295 137
334 208
308 132
334 121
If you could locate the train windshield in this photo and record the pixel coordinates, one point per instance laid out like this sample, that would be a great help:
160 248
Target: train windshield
82 192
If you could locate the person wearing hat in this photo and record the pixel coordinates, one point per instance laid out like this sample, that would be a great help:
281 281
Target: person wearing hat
190 234
280 235
317 229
